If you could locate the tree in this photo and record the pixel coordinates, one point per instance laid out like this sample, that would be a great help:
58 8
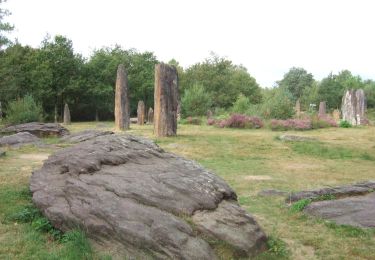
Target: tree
223 80
296 81
4 26
195 101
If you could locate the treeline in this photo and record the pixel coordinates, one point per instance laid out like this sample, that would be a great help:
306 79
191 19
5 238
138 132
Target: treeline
54 74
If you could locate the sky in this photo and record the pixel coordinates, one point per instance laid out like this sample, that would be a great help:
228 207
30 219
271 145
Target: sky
268 37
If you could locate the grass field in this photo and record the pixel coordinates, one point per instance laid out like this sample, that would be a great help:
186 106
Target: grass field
249 160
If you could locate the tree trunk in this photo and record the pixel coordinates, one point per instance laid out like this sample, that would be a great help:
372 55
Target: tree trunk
55 113
122 108
165 100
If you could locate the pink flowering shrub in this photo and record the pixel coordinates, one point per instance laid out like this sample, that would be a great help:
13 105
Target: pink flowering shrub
193 120
291 124
211 121
239 121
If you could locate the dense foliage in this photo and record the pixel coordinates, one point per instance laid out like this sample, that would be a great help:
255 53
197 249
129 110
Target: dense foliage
24 110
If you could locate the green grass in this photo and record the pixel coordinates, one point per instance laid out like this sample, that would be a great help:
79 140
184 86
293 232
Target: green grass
250 161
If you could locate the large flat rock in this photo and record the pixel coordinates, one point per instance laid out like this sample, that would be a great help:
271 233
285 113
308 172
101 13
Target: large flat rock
134 198
339 191
19 139
84 135
37 129
356 211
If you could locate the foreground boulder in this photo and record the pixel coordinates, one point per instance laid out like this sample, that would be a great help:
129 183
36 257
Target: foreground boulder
358 211
38 129
139 201
19 139
84 135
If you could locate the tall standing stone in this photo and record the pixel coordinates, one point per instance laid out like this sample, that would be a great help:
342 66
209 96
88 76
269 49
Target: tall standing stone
322 109
141 113
165 100
150 116
122 109
66 115
354 107
298 109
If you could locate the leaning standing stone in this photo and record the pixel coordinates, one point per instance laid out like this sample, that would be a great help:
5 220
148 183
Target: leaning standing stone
141 113
165 100
122 110
66 115
150 116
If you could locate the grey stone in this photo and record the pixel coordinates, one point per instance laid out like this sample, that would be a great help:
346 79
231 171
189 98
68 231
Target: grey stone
84 136
122 105
19 139
272 192
354 107
354 211
322 109
296 138
37 129
339 191
67 120
131 196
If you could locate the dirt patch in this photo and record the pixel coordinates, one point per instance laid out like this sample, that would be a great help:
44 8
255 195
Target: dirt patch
257 178
35 156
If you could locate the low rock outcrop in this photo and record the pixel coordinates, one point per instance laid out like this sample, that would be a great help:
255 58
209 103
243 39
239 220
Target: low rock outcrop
19 139
84 135
131 196
37 129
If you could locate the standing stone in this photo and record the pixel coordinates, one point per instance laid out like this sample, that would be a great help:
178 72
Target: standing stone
165 100
336 115
209 114
150 116
298 109
141 113
354 107
1 112
322 109
122 110
66 115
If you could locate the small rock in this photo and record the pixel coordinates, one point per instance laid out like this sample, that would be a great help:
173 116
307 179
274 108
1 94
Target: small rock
19 139
271 192
296 138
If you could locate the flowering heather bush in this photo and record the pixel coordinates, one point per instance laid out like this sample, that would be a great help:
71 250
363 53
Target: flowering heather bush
329 121
291 124
211 121
240 121
193 121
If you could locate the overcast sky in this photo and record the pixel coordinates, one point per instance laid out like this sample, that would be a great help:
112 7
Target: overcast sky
267 36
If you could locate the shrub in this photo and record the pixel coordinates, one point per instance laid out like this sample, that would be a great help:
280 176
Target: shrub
241 105
345 124
211 121
323 122
290 124
23 111
195 101
299 205
193 121
240 121
278 106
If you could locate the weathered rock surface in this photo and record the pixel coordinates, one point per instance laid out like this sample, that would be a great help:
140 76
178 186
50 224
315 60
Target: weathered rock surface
84 136
296 138
166 103
354 107
122 105
37 129
141 112
356 211
19 139
128 193
339 191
